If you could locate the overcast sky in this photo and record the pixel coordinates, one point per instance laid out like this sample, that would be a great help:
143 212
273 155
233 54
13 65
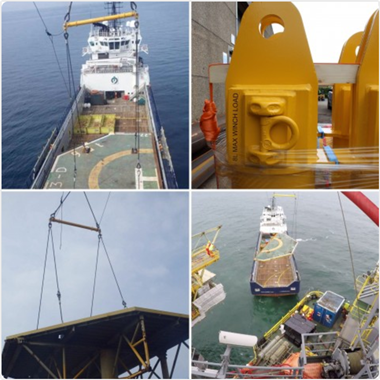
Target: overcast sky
329 25
146 235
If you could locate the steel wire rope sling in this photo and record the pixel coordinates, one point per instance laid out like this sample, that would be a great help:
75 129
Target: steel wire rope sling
51 38
72 94
136 149
50 234
100 241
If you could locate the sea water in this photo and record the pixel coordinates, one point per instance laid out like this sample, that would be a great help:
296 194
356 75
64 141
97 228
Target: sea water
322 257
34 97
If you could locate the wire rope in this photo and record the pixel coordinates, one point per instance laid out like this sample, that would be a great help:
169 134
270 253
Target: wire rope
43 276
61 229
96 271
92 211
61 203
56 276
113 272
349 245
50 35
101 218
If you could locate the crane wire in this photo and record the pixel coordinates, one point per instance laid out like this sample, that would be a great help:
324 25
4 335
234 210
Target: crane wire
43 277
92 211
71 86
100 237
61 203
56 275
50 35
113 272
61 233
349 244
101 218
96 270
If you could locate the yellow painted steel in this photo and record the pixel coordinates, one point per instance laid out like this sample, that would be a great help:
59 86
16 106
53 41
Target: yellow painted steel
365 108
99 19
200 259
292 311
342 96
271 96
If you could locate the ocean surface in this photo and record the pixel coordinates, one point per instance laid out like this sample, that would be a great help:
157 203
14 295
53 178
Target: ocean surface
34 97
322 257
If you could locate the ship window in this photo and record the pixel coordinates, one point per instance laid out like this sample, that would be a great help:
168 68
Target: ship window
127 42
91 43
138 41
117 45
112 45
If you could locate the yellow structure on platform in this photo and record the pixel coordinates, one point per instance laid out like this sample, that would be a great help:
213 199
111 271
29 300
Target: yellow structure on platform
271 92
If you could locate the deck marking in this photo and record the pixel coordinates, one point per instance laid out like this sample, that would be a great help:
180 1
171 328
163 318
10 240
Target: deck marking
55 184
93 179
280 244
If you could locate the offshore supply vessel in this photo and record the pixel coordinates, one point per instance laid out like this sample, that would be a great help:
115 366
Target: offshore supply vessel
322 336
111 136
274 270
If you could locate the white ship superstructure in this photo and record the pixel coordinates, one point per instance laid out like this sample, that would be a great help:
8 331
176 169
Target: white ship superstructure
115 59
273 219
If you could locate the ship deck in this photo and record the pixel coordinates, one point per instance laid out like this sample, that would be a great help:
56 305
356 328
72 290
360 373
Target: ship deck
110 163
276 272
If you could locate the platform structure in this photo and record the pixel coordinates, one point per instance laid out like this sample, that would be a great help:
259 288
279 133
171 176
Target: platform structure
120 344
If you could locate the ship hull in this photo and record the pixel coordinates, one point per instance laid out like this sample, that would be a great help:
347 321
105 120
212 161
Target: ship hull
275 277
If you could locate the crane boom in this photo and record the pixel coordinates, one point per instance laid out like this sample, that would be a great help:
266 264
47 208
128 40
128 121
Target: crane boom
367 206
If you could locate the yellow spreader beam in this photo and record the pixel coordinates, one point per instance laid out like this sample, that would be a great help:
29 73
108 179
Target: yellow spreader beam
99 19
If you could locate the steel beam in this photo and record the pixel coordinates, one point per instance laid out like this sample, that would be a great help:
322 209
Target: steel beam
40 362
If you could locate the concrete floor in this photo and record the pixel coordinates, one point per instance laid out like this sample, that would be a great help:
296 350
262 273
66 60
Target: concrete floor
324 114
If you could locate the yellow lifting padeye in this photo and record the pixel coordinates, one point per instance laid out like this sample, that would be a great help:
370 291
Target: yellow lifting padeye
342 95
271 89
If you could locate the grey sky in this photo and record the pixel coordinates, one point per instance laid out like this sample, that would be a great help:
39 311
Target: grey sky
329 25
146 235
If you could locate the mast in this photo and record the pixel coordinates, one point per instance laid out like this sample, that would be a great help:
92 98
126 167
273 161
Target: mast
113 8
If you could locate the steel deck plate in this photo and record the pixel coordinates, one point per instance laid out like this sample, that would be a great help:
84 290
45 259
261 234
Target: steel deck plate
109 165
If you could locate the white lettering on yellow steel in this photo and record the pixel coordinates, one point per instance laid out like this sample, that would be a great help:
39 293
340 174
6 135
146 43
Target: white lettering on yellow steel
235 126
